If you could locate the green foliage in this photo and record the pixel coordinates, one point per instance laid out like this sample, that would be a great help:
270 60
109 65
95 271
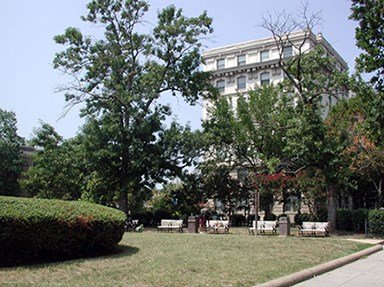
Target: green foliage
302 217
376 222
356 134
352 220
248 139
256 130
359 218
58 169
344 219
11 161
218 183
238 220
270 216
369 37
35 229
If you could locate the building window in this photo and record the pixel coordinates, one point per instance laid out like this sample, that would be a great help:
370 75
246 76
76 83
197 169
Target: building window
287 52
241 83
220 64
241 60
264 78
264 55
220 85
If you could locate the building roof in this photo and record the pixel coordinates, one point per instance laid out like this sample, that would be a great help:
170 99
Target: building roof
269 42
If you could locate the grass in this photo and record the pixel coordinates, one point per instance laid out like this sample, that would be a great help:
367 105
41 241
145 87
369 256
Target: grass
172 259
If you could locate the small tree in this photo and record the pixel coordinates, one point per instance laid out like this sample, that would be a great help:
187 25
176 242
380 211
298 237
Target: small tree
58 169
11 160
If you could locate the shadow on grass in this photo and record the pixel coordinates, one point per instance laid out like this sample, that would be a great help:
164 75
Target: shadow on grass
119 252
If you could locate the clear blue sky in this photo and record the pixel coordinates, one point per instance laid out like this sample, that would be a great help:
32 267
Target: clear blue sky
27 27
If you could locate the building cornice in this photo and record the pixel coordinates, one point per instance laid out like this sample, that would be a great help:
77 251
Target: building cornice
268 43
249 68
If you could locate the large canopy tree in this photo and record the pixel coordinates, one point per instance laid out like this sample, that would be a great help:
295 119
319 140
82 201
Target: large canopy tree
120 77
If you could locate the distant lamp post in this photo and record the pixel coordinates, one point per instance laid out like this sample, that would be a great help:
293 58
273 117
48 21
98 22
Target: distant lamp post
257 204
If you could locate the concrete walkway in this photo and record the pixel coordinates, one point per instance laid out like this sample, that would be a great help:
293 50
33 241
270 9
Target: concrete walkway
364 268
366 271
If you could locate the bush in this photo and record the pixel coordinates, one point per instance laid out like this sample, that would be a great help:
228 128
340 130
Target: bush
321 215
301 217
376 222
344 219
270 216
351 220
251 218
42 229
359 218
238 220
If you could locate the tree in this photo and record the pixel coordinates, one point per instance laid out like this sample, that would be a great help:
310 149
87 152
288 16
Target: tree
121 77
11 160
247 140
220 184
282 26
361 160
57 170
312 78
254 134
369 38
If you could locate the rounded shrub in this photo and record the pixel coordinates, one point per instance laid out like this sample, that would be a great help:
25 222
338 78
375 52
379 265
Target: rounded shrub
34 229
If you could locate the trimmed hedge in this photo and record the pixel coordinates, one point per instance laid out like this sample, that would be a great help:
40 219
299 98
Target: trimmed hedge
34 229
352 220
376 222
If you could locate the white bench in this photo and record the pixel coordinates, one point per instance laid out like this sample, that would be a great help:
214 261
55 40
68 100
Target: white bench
218 226
170 225
263 226
314 228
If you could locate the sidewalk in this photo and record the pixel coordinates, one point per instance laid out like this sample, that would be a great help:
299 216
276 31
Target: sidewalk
367 271
364 268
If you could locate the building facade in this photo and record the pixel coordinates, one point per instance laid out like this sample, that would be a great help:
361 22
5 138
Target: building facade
240 67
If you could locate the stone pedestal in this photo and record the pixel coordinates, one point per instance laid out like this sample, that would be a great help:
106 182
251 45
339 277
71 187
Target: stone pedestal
284 226
193 224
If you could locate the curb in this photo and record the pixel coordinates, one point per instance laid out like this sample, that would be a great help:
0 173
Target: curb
309 273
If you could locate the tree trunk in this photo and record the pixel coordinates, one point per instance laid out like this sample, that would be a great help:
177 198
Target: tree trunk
380 194
123 201
331 206
125 158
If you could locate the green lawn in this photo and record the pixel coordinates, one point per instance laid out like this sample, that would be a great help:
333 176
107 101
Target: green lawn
172 259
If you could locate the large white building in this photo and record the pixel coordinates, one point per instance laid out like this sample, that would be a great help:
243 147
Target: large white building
239 67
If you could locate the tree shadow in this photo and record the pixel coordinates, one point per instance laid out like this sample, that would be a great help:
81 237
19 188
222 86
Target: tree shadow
118 252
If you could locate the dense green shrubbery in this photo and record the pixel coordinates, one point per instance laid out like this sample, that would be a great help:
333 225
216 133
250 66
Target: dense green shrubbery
238 220
376 222
359 218
54 229
270 216
344 219
352 220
